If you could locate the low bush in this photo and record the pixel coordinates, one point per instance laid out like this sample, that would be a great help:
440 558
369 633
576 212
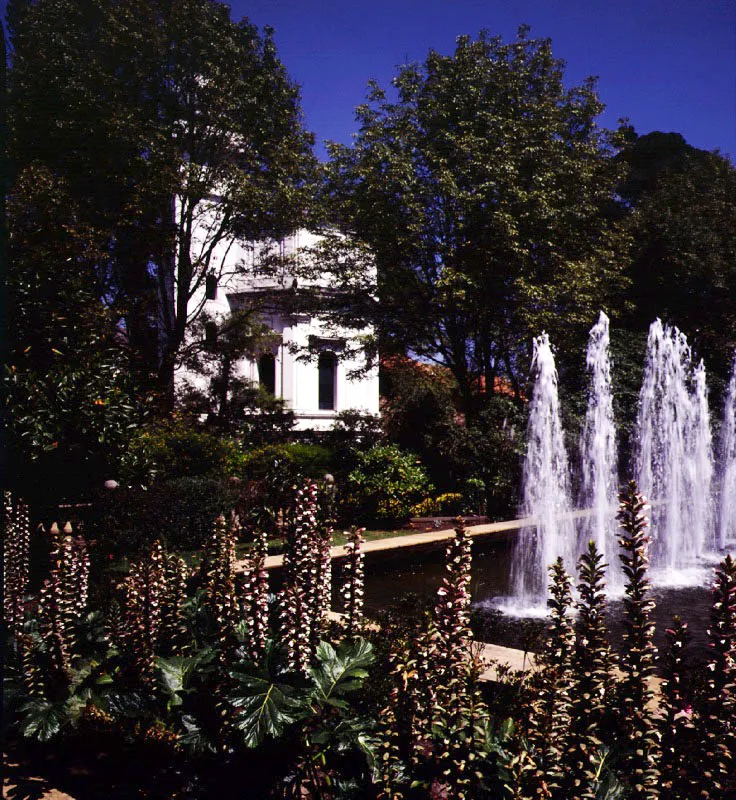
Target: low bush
384 485
178 512
448 504
304 461
177 448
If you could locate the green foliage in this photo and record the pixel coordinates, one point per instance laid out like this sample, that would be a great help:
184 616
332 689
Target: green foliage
69 400
457 443
354 428
176 448
179 512
300 459
232 404
447 504
340 671
384 484
265 706
146 112
483 193
682 212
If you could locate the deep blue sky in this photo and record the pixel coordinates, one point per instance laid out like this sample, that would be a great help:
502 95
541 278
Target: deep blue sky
668 66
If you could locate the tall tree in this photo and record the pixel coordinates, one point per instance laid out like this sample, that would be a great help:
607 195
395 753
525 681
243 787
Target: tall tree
483 192
176 131
69 400
682 216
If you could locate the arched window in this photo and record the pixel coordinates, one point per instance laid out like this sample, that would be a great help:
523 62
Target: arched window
210 336
210 287
327 367
267 373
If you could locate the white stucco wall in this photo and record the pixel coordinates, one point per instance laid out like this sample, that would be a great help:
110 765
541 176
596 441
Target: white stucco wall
296 379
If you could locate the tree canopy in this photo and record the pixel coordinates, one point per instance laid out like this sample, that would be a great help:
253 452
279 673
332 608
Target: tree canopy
682 218
144 137
175 130
484 193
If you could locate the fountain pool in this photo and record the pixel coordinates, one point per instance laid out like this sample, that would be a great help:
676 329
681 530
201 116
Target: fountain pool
693 508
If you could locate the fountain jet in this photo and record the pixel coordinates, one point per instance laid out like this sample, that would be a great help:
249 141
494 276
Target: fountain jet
674 459
598 454
545 487
727 519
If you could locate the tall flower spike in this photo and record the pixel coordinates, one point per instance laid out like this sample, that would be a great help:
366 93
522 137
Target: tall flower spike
142 590
173 597
591 678
717 724
636 716
352 589
300 606
550 721
220 581
56 605
676 722
255 596
455 668
15 561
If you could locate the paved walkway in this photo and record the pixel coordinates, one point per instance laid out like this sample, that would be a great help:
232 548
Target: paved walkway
431 537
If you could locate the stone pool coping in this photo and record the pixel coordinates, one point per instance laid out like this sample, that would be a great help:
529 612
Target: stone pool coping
420 540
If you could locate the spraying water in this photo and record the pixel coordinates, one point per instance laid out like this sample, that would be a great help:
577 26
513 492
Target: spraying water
727 520
674 461
700 467
545 487
599 460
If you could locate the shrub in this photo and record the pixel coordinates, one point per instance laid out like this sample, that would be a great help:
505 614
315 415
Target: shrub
448 504
179 512
302 460
384 485
177 449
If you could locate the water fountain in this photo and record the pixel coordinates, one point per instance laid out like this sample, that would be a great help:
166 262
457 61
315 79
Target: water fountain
673 464
545 487
727 518
598 455
673 461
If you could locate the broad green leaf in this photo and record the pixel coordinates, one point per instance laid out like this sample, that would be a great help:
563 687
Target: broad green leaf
41 719
266 708
340 671
176 672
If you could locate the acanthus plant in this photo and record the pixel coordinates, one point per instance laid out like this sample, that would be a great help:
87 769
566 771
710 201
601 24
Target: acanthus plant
455 669
17 541
549 722
592 681
255 597
717 706
55 676
677 719
219 582
435 724
637 722
63 599
353 582
304 601
142 592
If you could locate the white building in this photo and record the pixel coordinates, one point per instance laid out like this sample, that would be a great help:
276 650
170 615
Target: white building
315 390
